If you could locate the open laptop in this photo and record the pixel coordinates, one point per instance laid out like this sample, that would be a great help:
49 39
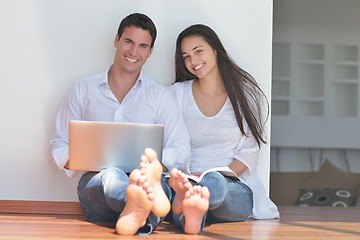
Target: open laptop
94 146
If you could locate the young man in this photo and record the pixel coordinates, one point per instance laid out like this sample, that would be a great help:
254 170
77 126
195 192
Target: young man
123 93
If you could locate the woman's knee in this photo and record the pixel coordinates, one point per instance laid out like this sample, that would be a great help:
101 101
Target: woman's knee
237 205
217 185
214 179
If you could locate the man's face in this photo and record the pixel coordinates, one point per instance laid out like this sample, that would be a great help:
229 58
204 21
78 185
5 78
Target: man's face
132 49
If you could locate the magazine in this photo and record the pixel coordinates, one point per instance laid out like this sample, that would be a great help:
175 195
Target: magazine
226 171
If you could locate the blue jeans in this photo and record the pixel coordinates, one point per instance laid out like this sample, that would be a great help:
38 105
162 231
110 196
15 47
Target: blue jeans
102 197
230 199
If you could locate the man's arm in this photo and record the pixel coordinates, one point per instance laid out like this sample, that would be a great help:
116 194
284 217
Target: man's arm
176 151
59 141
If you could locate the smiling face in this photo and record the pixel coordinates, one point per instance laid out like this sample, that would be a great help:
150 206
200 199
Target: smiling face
132 49
199 57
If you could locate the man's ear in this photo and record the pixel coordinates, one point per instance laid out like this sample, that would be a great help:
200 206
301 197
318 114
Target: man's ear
150 52
116 40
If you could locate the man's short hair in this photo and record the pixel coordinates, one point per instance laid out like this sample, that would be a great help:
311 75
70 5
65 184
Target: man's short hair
138 20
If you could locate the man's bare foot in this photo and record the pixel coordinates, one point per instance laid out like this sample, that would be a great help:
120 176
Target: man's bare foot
180 184
195 205
151 169
138 206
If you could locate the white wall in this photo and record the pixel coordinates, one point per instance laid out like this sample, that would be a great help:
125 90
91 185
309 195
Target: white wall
46 45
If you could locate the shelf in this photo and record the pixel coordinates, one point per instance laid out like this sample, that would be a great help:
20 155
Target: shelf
310 51
310 80
280 107
281 60
310 99
344 71
280 88
346 81
315 95
310 108
281 79
312 62
344 53
345 100
316 79
345 63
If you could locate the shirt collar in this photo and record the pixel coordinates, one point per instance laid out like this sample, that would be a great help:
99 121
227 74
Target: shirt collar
140 79
105 78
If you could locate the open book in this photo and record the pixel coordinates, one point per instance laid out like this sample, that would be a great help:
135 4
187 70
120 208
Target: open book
226 171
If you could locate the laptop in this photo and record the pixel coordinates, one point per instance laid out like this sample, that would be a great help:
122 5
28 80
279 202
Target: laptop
94 146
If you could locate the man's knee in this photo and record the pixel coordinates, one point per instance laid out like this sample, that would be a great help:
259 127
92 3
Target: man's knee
113 179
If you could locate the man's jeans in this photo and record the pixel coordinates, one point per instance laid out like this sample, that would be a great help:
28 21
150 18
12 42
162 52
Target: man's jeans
230 199
102 197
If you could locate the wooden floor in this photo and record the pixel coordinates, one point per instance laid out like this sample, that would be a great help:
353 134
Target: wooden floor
51 220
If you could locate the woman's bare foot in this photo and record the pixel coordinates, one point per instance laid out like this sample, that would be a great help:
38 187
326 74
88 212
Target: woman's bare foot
138 206
180 184
151 169
195 205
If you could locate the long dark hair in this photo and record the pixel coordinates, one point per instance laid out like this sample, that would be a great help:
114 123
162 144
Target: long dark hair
244 93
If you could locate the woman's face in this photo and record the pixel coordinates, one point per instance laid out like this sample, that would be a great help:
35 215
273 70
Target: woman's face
199 57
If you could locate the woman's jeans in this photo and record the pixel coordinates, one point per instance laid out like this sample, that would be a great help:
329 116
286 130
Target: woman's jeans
102 197
230 199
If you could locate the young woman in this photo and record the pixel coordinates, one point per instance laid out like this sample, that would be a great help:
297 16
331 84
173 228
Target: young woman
222 107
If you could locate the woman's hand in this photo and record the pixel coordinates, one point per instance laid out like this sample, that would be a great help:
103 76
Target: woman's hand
196 174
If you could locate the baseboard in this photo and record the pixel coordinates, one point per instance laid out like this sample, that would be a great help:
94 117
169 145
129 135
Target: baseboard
39 207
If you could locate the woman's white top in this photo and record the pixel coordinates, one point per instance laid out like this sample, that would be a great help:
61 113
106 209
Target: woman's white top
216 141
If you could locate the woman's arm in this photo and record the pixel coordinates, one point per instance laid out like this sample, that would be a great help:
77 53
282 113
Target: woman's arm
238 167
